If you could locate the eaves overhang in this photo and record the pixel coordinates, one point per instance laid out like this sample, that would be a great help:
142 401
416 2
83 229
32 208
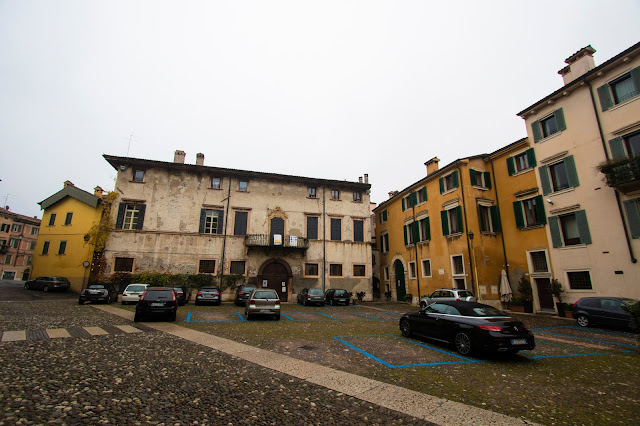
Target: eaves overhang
73 192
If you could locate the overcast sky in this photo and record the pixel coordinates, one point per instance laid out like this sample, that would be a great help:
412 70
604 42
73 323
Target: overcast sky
324 89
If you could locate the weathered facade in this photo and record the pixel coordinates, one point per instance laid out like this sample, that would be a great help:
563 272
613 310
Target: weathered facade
277 231
18 234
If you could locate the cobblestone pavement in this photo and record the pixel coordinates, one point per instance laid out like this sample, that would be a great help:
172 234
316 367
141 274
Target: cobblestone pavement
149 378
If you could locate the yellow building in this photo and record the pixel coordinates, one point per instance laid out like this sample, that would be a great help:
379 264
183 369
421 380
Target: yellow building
63 247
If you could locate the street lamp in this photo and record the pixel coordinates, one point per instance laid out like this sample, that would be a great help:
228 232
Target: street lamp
473 265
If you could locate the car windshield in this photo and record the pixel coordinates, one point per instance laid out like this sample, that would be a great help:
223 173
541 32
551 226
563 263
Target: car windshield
315 292
265 295
136 288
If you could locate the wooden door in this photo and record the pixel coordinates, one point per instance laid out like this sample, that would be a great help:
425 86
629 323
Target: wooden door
275 274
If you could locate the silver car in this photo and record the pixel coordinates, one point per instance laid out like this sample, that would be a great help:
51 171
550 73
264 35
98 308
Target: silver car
447 295
262 302
132 293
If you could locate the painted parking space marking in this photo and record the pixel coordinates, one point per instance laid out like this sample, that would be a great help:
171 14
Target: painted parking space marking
58 333
95 331
214 317
14 336
607 337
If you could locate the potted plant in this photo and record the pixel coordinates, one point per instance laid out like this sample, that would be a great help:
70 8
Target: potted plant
408 297
360 296
387 294
516 305
634 324
525 289
557 290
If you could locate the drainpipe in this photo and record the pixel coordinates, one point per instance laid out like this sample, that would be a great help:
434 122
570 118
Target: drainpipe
606 155
466 227
415 245
324 239
504 250
224 239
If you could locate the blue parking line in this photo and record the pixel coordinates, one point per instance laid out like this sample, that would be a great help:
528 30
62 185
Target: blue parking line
241 317
566 356
549 328
600 331
188 317
561 346
467 360
367 354
288 317
329 316
591 340
367 316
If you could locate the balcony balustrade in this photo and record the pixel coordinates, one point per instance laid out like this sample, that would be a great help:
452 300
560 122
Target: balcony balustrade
285 241
624 175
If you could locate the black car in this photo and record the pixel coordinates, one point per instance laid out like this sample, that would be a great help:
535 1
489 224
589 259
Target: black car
309 296
472 327
336 296
242 294
48 284
602 310
157 301
105 293
208 295
183 294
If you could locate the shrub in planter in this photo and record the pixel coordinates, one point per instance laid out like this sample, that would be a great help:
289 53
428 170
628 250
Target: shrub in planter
557 290
634 323
525 289
408 297
387 294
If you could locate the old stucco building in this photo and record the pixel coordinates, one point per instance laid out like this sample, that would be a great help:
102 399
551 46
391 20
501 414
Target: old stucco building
18 234
271 230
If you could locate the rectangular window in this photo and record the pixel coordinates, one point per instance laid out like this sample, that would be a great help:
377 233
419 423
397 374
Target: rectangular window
216 183
426 268
335 194
335 269
211 221
453 221
383 216
207 266
16 228
243 186
5 227
480 179
312 227
336 229
386 273
138 175
311 269
13 242
359 270
412 270
457 265
529 212
358 230
632 144
569 229
357 196
384 243
34 231
558 174
411 233
421 195
123 264
32 245
237 267
52 219
130 216
521 162
7 259
240 223
68 218
580 280
569 226
29 259
488 217
425 231
311 192
539 261
3 243
62 248
548 126
620 90
448 182
45 248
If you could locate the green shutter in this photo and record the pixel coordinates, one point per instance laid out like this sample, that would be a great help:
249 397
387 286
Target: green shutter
635 76
119 218
445 223
428 228
540 213
403 208
554 227
404 232
472 176
454 178
517 210
583 227
616 146
537 131
220 221
572 174
203 216
560 123
424 193
495 219
633 217
415 230
459 216
531 156
487 180
605 97
384 215
441 182
482 228
511 166
141 209
413 199
544 179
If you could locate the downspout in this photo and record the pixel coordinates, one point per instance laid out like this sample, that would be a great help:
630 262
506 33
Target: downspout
504 249
224 239
415 245
466 227
606 155
324 239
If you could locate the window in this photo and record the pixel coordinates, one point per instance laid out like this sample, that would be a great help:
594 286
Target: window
5 227
386 273
123 264
357 196
30 259
620 90
62 248
480 179
383 216
34 231
548 126
207 266
211 221
243 186
521 162
569 229
412 270
451 221
216 183
3 243
625 146
32 245
457 265
311 192
16 228
237 267
52 219
632 208
449 182
138 175
426 268
7 259
411 233
68 218
384 243
45 248
335 269
489 218
425 229
358 230
312 227
579 280
335 194
240 223
529 212
13 243
359 270
311 269
539 261
336 229
130 216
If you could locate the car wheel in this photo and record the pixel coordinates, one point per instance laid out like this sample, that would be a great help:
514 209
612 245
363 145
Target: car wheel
172 317
463 343
304 302
249 317
333 303
108 302
277 317
346 304
80 302
123 302
423 305
45 288
197 302
583 320
26 286
405 328
136 317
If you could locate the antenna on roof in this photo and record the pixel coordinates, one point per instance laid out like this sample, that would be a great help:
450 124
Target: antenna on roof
129 146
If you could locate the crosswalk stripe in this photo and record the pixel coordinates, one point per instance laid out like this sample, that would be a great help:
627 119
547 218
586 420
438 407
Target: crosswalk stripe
57 333
13 336
95 331
128 329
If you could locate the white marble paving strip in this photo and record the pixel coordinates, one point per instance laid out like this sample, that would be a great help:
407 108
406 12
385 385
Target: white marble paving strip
14 336
57 333
95 331
129 329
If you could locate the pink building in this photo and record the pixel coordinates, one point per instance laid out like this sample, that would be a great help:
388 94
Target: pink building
18 235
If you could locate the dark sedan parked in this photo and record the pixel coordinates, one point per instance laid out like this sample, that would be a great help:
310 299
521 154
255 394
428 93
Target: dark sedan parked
336 296
183 294
208 295
157 301
471 327
242 294
602 310
48 284
105 293
308 296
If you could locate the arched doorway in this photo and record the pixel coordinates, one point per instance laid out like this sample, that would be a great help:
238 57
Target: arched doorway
275 274
401 290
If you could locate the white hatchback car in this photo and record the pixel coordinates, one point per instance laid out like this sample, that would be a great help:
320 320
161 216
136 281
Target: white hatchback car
133 292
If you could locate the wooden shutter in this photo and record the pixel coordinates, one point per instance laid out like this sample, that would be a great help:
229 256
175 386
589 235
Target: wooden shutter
445 222
240 224
511 166
441 182
424 193
413 199
141 209
635 76
403 209
336 229
633 217
540 213
454 178
487 180
428 228
203 216
531 156
554 227
517 210
560 123
537 131
480 221
583 227
415 231
472 177
495 218
120 217
384 215
616 146
605 97
544 179
404 232
358 230
312 227
572 174
459 216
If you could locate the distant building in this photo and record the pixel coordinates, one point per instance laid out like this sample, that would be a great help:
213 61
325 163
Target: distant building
18 234
277 231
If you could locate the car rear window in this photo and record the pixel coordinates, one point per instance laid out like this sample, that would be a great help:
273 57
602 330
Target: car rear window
209 289
159 294
465 293
315 292
97 286
341 293
265 295
247 288
136 288
487 312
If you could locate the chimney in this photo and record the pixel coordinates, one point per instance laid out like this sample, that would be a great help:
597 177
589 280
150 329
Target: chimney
178 156
199 159
97 191
360 179
579 64
68 183
432 165
366 178
393 193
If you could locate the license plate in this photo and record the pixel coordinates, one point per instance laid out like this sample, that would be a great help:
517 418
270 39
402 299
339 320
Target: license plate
265 310
518 341
156 304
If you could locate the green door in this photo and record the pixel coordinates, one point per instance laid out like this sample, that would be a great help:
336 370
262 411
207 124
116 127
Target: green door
400 288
